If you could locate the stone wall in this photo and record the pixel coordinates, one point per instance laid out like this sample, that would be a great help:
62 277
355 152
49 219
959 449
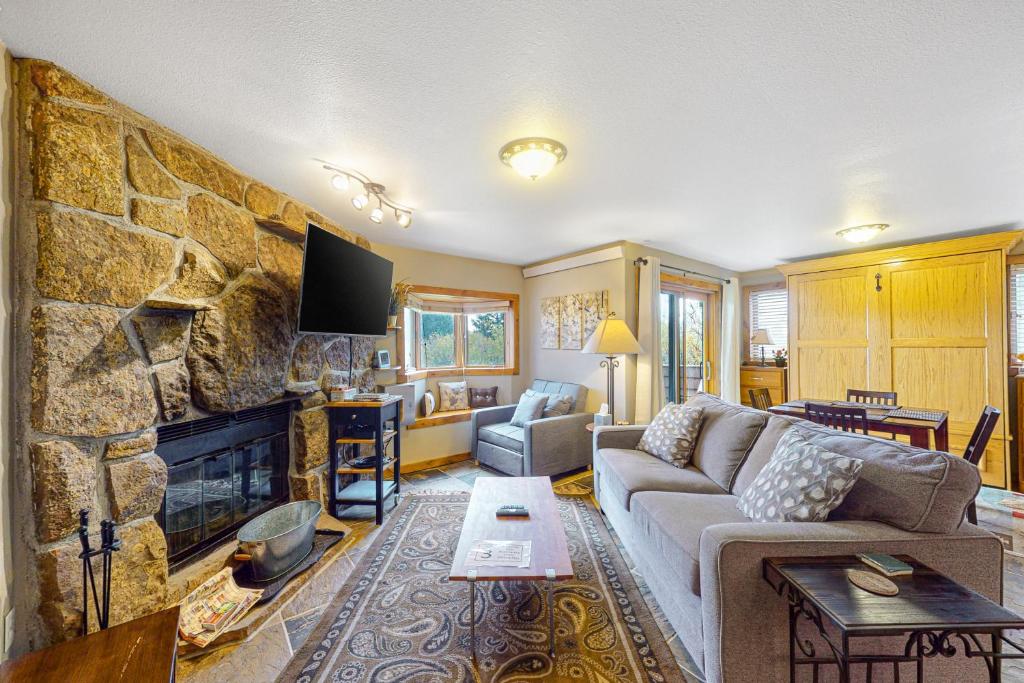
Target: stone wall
147 292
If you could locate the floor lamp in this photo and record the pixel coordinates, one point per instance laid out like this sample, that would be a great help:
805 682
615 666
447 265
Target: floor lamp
612 338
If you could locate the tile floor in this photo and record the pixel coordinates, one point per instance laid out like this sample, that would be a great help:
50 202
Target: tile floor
264 655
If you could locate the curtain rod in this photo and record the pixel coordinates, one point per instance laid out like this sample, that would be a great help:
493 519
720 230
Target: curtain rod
643 260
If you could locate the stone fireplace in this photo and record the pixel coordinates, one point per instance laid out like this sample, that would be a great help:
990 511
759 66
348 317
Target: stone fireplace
222 471
159 379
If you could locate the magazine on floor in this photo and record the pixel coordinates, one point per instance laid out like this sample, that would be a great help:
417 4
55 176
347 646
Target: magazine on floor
215 605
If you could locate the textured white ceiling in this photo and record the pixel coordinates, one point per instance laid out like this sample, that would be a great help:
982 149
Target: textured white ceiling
740 133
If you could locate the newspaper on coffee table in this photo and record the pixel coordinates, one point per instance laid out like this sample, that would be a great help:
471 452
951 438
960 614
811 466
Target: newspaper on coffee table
214 606
499 554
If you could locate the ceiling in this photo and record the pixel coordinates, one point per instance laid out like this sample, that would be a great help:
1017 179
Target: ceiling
742 134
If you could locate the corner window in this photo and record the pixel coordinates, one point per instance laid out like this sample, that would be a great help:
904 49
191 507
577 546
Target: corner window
451 332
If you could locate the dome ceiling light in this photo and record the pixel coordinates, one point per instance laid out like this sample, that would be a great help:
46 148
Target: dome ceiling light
862 233
342 179
532 157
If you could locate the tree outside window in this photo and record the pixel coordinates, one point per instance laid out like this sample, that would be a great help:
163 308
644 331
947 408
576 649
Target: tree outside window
437 332
485 339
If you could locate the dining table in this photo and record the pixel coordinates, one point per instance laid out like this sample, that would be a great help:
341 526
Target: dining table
881 419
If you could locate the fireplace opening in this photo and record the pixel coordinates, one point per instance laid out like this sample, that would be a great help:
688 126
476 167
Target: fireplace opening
221 472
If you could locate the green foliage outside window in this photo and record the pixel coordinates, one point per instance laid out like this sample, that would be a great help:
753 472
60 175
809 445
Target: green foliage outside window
485 343
437 330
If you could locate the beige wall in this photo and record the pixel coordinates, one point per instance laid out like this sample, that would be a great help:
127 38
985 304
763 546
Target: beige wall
569 365
6 284
442 270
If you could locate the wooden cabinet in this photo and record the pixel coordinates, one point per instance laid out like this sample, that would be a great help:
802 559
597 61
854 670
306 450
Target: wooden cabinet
927 321
763 377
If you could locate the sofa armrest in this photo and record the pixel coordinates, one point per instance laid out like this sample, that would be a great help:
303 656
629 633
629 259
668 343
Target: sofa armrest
552 445
626 436
487 416
733 588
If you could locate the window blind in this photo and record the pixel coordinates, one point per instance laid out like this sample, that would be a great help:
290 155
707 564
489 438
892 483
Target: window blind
1016 309
768 310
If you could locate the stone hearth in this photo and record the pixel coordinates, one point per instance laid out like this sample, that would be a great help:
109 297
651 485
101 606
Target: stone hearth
148 292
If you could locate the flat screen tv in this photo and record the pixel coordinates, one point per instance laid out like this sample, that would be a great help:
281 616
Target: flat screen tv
345 289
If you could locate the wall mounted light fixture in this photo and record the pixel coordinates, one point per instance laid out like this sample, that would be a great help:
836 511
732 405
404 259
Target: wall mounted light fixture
343 179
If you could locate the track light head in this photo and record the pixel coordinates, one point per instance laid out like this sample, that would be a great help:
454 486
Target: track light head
404 218
360 201
339 182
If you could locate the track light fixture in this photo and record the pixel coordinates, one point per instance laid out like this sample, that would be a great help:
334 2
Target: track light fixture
377 215
342 179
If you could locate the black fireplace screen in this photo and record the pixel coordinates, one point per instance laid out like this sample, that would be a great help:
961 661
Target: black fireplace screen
222 471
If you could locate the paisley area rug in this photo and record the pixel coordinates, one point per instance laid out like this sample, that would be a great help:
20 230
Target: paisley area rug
398 618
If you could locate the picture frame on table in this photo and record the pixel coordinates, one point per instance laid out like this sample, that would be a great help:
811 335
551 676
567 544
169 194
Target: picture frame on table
383 359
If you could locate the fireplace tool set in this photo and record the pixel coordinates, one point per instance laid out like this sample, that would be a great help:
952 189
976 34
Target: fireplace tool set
108 544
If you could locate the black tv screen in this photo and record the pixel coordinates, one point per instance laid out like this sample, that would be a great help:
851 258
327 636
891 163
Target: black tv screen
345 289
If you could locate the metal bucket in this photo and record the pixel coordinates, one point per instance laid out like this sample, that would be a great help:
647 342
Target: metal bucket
280 538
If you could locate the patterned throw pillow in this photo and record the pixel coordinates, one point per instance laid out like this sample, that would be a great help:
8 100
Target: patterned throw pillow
530 408
483 398
672 435
454 396
556 405
802 482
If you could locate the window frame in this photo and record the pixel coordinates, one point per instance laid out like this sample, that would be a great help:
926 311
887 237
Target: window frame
1012 260
460 367
747 293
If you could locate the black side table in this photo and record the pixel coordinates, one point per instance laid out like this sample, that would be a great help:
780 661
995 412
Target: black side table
364 423
938 616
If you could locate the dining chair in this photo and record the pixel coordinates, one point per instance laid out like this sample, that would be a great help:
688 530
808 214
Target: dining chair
838 417
976 447
760 398
883 398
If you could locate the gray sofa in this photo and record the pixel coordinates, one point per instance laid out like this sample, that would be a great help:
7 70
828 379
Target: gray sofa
702 558
550 445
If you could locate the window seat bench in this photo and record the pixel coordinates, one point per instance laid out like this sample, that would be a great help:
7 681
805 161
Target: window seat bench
443 418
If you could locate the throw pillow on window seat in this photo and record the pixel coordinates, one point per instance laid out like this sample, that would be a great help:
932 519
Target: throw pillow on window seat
555 404
428 403
802 482
530 408
483 398
672 434
454 396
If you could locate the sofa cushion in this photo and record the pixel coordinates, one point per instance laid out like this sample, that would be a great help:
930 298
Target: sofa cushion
727 434
802 482
762 451
556 405
503 434
529 409
672 434
624 472
671 525
577 392
910 488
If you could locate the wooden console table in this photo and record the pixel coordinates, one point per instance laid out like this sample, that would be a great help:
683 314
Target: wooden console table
364 423
142 650
937 616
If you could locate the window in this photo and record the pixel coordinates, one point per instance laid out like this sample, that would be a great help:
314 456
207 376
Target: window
485 339
1016 311
437 336
768 309
453 332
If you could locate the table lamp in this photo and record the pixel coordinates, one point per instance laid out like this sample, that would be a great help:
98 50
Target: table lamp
611 338
762 337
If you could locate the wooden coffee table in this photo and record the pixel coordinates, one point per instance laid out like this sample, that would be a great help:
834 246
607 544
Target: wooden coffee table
549 556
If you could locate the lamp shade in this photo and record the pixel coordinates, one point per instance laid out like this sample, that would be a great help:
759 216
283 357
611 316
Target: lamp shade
612 337
762 336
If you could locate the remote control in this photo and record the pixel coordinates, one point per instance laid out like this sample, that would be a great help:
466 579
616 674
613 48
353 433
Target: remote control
512 511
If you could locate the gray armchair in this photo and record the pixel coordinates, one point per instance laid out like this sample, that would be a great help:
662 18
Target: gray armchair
550 445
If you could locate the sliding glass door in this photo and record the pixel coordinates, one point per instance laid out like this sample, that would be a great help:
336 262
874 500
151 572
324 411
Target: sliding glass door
687 343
